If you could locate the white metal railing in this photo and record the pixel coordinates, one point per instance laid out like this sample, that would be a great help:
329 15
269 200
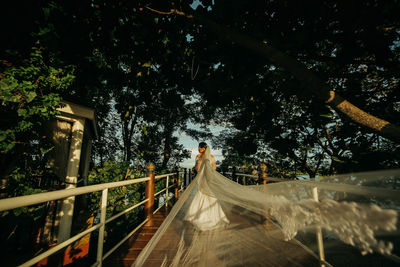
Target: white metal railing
161 176
352 189
167 186
23 201
348 188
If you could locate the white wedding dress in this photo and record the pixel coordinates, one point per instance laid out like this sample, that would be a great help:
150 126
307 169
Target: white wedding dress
217 222
205 212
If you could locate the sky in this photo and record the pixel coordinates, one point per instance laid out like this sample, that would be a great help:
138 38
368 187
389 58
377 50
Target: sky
192 145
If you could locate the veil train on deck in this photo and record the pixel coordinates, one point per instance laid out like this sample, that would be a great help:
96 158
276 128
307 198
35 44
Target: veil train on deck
219 222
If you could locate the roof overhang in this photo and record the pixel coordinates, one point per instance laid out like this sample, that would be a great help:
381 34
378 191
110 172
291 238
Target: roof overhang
69 109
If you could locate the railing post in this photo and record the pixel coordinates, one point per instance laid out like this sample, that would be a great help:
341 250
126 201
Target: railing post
182 184
234 174
149 205
177 185
186 179
254 172
166 192
100 241
319 232
263 173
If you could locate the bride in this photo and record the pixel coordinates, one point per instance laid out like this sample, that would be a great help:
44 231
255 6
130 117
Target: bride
205 213
217 222
199 158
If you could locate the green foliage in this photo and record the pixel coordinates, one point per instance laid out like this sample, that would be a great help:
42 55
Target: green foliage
29 95
119 198
355 55
122 197
138 69
148 74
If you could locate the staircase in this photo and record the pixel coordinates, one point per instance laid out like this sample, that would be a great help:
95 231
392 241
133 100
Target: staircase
127 253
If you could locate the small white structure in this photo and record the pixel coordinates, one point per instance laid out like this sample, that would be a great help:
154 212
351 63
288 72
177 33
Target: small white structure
72 134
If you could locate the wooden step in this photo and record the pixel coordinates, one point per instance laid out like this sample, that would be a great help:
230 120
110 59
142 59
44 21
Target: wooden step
127 254
132 255
140 244
123 263
128 263
144 237
148 230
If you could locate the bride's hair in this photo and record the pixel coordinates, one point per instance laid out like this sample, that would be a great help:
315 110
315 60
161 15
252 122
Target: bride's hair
203 144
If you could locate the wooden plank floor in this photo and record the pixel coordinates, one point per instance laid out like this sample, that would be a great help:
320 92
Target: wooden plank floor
281 253
127 253
268 247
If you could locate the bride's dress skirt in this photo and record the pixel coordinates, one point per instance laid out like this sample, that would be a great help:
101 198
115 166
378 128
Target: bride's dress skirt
205 213
246 240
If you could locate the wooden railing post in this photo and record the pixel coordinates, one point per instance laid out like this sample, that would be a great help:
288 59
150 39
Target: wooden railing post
149 205
177 185
263 173
255 172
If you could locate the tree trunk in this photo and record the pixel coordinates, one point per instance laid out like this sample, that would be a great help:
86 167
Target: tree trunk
126 142
127 134
169 129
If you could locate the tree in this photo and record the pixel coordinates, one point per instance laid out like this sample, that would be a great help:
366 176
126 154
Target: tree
30 94
300 71
323 44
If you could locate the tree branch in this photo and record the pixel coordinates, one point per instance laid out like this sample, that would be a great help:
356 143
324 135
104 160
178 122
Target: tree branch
304 75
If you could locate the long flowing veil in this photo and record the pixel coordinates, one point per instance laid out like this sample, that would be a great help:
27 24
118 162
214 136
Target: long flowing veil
275 224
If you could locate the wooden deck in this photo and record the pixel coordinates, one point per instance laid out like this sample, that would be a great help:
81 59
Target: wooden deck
267 249
127 253
280 252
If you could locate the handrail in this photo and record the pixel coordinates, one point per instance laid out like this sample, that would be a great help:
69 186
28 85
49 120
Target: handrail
60 246
126 211
162 190
23 201
163 175
274 179
16 202
355 189
348 188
